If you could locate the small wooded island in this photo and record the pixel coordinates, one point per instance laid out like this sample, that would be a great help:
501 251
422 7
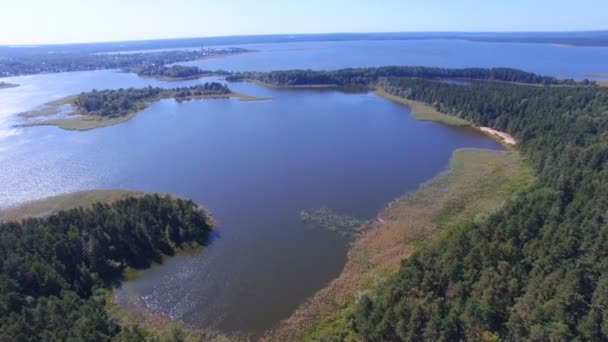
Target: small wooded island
4 85
99 108
173 73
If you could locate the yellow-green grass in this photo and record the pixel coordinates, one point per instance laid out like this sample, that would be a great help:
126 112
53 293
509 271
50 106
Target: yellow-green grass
249 98
422 111
50 205
84 122
476 184
79 122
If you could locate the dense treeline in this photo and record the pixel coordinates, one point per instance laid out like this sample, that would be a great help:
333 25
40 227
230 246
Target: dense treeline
366 76
54 268
538 269
27 64
110 103
174 71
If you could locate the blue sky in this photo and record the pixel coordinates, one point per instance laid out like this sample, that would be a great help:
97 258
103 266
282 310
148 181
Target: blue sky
59 21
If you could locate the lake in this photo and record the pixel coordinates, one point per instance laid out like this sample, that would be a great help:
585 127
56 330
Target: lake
255 165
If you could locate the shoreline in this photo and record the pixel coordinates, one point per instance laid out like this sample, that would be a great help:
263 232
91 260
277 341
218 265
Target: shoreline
503 137
476 183
423 112
597 74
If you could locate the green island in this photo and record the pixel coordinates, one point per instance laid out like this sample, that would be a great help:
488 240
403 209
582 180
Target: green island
109 107
58 270
173 73
504 245
5 85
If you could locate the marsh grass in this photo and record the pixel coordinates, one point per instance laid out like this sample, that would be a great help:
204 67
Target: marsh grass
50 205
476 184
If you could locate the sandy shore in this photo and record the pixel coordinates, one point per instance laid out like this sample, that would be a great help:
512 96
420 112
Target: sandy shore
505 137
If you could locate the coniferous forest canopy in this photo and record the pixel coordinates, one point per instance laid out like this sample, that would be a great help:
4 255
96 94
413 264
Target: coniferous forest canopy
55 270
364 76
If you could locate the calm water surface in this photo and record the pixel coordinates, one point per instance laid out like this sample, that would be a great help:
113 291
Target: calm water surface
255 165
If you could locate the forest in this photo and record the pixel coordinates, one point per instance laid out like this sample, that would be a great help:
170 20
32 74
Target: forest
55 270
39 63
368 76
538 268
111 103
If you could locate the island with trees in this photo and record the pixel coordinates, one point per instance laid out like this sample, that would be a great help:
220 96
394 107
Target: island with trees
173 73
5 85
35 63
57 270
533 269
109 107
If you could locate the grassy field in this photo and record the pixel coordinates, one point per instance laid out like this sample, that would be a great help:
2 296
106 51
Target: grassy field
78 122
53 204
476 184
422 111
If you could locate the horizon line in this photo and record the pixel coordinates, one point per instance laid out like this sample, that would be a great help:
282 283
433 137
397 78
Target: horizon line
295 34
